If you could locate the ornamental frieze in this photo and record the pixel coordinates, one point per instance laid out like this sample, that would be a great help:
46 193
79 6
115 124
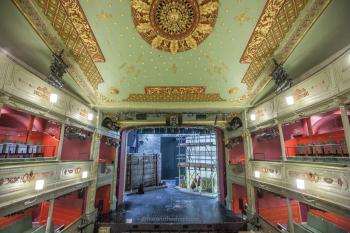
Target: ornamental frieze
298 94
175 94
274 23
172 25
25 178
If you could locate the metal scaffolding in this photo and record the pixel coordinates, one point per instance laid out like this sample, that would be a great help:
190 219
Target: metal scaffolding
197 162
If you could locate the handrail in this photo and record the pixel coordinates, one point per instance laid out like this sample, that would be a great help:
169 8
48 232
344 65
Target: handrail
66 228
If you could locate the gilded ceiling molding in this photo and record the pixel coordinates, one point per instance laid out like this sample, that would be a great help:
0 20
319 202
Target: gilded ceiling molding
76 34
270 11
314 10
30 12
174 26
268 44
233 91
76 15
103 99
113 91
175 94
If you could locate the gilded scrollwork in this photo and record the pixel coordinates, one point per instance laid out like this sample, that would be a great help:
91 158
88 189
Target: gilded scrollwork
175 94
174 26
272 27
75 31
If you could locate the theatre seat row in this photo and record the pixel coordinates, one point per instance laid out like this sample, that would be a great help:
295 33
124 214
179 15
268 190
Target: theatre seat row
13 150
331 148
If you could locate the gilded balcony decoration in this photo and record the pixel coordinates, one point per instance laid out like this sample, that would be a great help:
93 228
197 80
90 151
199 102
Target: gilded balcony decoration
175 94
174 26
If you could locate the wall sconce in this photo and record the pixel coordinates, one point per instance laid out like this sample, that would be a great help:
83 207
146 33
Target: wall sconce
290 100
90 116
84 175
300 184
53 98
256 174
252 117
39 185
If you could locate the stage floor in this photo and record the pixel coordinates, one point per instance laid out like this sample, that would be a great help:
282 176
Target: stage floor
168 205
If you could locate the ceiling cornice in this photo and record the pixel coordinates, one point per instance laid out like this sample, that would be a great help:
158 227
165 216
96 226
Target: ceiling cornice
40 23
313 10
175 94
260 50
70 23
261 29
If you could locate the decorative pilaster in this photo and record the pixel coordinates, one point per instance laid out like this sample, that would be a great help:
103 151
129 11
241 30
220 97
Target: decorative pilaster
283 147
49 217
60 143
248 152
290 217
346 125
113 196
90 210
228 179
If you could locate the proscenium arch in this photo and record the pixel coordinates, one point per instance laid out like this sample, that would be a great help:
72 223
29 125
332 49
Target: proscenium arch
221 162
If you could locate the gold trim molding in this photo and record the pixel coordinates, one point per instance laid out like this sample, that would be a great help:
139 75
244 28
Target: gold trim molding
174 26
175 94
265 40
46 32
313 12
263 26
69 20
76 15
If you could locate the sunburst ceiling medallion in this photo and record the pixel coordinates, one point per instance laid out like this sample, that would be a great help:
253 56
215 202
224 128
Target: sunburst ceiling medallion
174 25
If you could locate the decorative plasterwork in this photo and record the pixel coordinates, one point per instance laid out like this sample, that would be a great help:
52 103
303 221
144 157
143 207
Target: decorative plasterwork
273 25
281 54
76 15
70 22
233 91
175 94
174 26
263 26
103 98
44 30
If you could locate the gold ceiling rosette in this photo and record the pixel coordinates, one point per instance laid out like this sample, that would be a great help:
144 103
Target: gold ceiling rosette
174 25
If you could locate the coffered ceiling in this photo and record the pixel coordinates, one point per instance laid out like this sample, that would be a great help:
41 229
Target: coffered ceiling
167 55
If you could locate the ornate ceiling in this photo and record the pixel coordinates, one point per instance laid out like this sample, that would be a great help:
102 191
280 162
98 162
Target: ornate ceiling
171 54
174 26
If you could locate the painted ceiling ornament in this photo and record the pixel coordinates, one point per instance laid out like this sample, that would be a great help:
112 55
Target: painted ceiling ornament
233 91
174 25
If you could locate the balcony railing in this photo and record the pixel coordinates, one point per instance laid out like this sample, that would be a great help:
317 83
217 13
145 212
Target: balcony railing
314 181
19 183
